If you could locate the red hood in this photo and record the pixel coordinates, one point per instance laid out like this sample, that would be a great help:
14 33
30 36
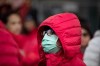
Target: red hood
67 28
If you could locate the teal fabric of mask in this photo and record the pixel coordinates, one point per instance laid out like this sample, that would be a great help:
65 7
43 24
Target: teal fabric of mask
49 43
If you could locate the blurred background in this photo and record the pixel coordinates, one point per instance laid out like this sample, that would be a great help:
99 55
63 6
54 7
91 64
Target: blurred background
41 9
87 9
22 17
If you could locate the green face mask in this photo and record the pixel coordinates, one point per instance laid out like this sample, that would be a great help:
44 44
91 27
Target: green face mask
49 44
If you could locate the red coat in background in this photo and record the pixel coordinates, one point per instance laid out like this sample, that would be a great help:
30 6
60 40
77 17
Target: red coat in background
28 46
9 53
67 28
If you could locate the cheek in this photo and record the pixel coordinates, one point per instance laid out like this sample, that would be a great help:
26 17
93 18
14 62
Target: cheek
85 40
12 28
59 43
15 28
29 26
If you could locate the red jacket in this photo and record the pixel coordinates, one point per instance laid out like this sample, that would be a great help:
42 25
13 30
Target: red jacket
30 48
28 44
67 28
8 48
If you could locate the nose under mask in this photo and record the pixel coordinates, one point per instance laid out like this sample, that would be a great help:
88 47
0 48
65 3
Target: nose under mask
49 44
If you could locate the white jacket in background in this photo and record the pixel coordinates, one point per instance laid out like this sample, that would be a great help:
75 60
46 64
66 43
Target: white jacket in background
92 53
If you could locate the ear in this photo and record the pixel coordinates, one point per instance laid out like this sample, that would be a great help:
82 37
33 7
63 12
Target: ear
59 43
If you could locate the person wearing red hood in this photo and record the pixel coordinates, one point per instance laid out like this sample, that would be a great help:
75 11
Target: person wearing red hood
9 50
59 39
13 51
30 44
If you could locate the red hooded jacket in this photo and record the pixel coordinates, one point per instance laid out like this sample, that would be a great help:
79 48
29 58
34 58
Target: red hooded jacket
67 28
8 48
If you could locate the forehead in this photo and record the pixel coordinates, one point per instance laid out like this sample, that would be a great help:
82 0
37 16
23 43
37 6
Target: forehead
14 17
84 30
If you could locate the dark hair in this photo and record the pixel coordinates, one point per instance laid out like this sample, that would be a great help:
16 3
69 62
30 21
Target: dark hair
99 25
31 15
7 16
5 12
6 7
85 25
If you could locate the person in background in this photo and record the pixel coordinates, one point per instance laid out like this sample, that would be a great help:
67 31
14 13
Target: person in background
14 41
27 9
92 53
59 39
5 9
86 34
23 7
26 43
30 47
9 50
29 25
13 23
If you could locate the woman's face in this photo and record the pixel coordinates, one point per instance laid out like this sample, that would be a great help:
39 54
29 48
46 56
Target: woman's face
14 24
29 25
85 38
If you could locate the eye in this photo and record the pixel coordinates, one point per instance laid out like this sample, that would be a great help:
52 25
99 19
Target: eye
85 34
50 32
13 23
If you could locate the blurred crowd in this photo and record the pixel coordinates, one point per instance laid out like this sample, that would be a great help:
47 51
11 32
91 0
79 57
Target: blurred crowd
18 36
20 20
